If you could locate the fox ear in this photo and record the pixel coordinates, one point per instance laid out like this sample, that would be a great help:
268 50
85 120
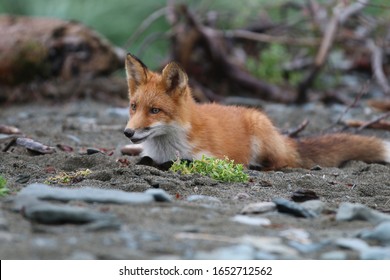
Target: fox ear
136 72
174 77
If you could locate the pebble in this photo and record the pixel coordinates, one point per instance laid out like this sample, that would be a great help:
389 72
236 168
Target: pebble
82 255
45 243
273 245
296 234
132 149
252 221
259 208
380 233
203 199
235 252
293 208
307 247
316 206
334 255
352 244
350 211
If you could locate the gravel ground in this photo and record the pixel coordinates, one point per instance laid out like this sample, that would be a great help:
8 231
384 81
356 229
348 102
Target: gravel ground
154 214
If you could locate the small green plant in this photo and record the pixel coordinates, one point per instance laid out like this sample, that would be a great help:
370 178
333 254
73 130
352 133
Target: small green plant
3 189
270 65
224 170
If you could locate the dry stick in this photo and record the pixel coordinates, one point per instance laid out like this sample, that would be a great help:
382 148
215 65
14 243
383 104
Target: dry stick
145 24
374 121
376 64
362 92
327 41
230 70
340 16
294 132
265 38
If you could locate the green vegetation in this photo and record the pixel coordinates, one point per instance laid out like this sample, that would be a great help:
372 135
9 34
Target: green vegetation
269 66
118 20
222 170
3 189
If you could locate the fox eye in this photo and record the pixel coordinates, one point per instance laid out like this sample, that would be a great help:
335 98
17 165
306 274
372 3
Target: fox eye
133 106
154 110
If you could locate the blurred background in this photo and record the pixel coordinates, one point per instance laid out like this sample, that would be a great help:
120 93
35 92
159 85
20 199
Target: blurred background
279 50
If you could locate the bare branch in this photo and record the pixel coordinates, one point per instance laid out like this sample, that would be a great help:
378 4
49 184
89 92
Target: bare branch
376 64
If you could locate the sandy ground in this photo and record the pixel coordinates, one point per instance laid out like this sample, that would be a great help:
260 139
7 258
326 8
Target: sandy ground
190 226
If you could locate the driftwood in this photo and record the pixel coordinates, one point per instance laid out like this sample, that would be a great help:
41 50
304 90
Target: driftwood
41 48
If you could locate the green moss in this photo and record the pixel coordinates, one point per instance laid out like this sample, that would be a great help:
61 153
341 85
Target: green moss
222 170
66 178
3 189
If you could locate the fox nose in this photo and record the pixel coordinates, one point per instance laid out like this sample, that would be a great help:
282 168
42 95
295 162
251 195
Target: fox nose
129 132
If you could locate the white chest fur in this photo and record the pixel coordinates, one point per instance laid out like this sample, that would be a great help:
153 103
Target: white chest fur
169 145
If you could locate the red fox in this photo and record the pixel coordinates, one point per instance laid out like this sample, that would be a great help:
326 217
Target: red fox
169 123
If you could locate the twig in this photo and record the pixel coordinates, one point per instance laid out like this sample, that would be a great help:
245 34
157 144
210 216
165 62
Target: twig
294 132
265 38
376 64
362 92
327 42
377 121
145 24
340 16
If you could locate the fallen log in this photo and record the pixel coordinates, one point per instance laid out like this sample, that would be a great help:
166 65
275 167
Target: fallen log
41 48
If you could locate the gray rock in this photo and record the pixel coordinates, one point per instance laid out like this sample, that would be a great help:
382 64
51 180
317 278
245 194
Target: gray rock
252 221
352 244
87 194
307 247
380 233
375 253
82 255
293 208
272 245
235 252
315 205
47 213
203 199
265 256
159 195
45 243
334 255
350 211
259 207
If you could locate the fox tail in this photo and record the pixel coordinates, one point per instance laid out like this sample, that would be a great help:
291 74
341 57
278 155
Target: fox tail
335 149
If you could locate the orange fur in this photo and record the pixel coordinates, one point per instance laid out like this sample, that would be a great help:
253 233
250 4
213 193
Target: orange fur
169 123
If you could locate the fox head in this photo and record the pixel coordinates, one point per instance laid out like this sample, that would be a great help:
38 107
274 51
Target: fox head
157 101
